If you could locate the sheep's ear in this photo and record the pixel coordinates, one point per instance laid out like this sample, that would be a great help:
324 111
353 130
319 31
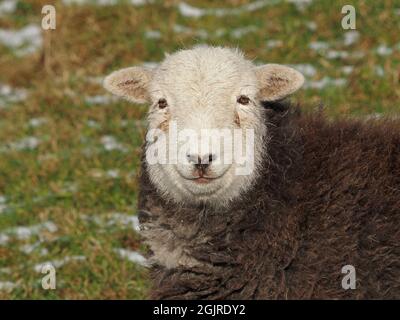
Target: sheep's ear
277 81
130 83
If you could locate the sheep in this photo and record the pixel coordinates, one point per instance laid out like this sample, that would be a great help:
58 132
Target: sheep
321 196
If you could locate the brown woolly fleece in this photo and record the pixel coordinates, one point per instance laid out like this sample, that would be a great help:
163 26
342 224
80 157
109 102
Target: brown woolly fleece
330 197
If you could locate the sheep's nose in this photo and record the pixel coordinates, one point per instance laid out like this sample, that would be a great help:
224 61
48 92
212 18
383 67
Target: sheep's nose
199 162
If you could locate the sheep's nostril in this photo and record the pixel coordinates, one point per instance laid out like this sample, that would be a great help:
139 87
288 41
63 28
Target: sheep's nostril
201 163
211 157
202 167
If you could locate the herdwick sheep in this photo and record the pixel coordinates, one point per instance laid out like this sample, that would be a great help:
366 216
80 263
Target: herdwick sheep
318 214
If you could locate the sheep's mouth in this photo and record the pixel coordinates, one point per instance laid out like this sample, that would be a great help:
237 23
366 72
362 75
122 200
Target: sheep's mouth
202 180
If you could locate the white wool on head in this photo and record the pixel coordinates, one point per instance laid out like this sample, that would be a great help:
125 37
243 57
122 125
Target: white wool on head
203 88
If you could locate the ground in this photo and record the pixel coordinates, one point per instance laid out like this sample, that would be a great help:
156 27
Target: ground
69 152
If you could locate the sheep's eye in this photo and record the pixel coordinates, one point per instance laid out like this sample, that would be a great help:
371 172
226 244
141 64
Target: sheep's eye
162 103
243 100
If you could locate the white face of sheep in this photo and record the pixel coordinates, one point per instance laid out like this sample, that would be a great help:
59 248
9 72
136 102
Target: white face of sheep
207 135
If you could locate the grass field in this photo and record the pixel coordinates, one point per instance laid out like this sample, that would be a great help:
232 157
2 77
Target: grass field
69 153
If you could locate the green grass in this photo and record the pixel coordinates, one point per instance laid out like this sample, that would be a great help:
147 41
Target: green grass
64 179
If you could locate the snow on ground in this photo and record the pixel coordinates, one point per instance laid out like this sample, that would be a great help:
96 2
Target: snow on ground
132 256
37 122
347 69
190 11
152 34
24 41
379 71
101 99
384 50
115 218
110 143
58 263
106 2
351 37
7 286
30 247
319 45
7 7
274 43
3 204
9 94
201 33
26 143
306 69
325 82
26 232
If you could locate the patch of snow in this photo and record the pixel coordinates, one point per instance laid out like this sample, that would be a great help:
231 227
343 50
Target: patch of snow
187 10
152 34
132 256
311 25
58 263
384 50
240 32
347 69
318 45
379 71
69 187
7 7
100 99
9 94
110 143
190 11
113 173
300 4
106 2
3 208
24 41
4 239
3 205
29 248
351 37
27 143
336 54
325 82
23 233
37 122
274 43
7 286
341 54
5 270
93 124
124 219
27 232
115 218
306 69
201 33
